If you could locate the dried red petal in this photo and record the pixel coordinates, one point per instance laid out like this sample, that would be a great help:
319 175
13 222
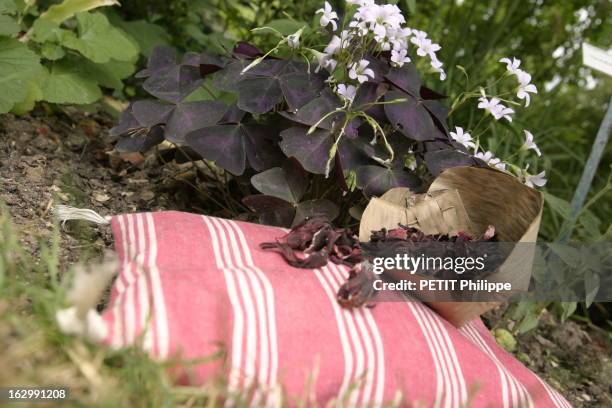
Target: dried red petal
359 288
314 242
398 233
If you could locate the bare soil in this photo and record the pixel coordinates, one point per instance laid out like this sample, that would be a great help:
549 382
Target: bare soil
67 157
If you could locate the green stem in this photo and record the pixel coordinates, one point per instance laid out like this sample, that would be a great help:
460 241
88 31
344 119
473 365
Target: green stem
328 114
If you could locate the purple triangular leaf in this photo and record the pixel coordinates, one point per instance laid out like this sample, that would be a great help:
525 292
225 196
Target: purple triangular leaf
268 68
338 174
162 57
223 144
410 117
312 151
261 146
314 110
377 112
127 123
288 183
140 141
367 94
246 50
439 160
191 59
439 112
297 177
152 112
438 144
353 153
190 116
273 182
271 210
430 94
405 78
174 84
377 180
231 145
210 63
351 130
258 95
315 208
299 88
227 79
233 114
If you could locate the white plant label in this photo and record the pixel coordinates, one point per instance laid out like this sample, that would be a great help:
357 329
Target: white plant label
597 58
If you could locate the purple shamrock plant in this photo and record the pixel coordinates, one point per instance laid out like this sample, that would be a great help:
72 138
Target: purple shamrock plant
314 132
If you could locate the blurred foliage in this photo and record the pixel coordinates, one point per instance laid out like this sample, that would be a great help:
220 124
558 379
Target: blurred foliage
214 24
572 99
564 117
67 52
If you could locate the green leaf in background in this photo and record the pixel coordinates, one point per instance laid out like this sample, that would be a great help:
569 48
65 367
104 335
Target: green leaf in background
99 41
213 42
8 26
591 286
52 51
558 205
33 95
59 13
411 4
44 30
18 64
590 223
147 35
526 315
529 322
69 82
8 7
199 94
569 255
567 309
195 32
286 26
109 75
246 12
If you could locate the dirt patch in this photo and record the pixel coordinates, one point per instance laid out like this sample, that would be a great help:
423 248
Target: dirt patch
573 357
68 158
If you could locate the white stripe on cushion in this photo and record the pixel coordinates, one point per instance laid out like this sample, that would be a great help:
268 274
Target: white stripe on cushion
159 303
117 340
250 358
270 316
443 386
260 310
520 396
450 357
366 337
238 327
343 333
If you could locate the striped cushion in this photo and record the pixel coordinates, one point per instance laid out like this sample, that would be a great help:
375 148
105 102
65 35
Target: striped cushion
191 285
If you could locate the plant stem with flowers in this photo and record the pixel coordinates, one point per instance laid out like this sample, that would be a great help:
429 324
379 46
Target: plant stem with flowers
495 109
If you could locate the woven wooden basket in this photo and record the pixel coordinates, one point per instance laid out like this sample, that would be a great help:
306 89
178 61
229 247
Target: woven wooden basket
465 199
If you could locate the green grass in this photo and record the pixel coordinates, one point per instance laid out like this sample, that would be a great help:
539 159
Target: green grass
36 353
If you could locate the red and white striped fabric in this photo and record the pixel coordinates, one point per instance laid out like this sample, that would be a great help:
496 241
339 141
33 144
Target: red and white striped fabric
190 285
